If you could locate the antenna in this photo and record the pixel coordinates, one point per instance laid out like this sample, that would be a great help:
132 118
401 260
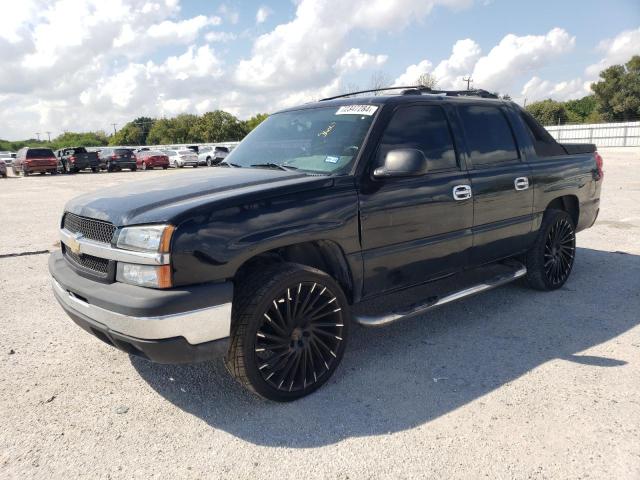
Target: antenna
469 81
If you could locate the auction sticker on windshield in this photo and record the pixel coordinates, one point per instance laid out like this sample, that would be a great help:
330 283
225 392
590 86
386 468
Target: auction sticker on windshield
357 110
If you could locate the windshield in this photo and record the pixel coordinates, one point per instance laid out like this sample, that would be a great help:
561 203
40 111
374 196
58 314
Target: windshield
185 152
318 140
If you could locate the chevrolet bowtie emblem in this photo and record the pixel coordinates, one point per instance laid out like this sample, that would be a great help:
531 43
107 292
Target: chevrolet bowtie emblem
73 244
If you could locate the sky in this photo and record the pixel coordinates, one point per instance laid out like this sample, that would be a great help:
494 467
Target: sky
80 65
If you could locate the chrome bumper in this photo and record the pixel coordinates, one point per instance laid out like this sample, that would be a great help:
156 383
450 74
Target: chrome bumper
196 326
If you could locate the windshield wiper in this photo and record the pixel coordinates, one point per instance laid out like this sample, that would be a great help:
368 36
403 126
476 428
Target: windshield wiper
274 166
229 164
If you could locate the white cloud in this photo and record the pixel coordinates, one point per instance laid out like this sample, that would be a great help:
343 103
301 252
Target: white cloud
303 50
515 56
412 73
183 31
222 37
355 60
448 72
617 50
231 15
538 89
262 14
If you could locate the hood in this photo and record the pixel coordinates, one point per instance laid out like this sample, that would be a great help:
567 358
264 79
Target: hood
164 199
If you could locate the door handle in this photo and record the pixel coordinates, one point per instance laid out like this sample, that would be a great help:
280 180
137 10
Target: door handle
521 183
461 192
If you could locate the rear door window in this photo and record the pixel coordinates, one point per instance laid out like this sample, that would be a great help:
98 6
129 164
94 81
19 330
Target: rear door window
543 143
488 134
423 128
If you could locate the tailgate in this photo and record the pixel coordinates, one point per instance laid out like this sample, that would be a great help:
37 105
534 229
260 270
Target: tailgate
579 148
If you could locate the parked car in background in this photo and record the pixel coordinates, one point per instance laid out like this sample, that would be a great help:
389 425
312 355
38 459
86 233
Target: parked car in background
74 159
35 160
150 159
180 158
116 159
211 156
7 158
3 169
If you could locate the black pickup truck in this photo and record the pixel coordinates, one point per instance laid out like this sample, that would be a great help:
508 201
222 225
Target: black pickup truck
325 216
74 159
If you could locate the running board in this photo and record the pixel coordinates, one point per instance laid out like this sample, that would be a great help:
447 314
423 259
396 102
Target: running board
434 302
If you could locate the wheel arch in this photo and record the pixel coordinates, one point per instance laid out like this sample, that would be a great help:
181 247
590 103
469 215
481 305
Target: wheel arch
568 203
325 255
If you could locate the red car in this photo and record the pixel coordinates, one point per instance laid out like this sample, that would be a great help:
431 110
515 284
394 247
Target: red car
35 160
147 159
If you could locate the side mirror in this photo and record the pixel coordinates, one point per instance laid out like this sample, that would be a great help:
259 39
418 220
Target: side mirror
405 162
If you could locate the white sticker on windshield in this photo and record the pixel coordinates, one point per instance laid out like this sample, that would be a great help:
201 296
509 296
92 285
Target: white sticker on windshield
332 159
357 110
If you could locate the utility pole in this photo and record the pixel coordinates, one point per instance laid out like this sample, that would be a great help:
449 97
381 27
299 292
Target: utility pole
38 135
49 135
114 128
525 102
468 80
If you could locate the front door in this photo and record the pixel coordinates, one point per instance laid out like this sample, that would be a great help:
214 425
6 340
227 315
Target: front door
413 230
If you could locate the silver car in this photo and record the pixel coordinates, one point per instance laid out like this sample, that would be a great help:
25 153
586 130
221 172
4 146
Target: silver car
180 158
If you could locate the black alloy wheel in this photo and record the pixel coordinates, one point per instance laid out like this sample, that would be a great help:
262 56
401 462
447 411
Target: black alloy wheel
289 331
299 336
550 260
559 251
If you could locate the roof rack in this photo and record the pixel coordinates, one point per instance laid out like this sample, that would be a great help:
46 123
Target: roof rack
420 90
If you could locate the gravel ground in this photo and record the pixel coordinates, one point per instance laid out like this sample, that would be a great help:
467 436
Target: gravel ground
510 384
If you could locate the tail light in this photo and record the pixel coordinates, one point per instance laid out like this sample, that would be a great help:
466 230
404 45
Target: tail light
72 159
114 156
599 164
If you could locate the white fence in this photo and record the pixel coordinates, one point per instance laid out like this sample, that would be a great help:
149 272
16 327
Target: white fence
625 134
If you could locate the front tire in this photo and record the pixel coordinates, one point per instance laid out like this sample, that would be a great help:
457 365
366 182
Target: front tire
550 261
290 326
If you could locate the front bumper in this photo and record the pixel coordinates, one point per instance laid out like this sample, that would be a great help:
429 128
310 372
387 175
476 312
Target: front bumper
180 325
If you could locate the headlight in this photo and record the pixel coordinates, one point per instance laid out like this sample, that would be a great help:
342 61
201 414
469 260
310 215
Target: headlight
148 238
144 275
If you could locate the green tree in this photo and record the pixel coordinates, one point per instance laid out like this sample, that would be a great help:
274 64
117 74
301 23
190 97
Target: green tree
183 128
145 124
74 139
548 112
579 110
618 92
218 126
130 134
161 132
254 121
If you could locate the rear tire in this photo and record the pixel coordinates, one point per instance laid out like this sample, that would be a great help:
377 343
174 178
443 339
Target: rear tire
133 169
550 260
209 164
290 326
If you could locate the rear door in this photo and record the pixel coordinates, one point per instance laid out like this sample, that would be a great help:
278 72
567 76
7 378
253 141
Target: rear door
501 183
413 230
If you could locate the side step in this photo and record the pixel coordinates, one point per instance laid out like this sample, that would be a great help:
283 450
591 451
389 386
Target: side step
430 303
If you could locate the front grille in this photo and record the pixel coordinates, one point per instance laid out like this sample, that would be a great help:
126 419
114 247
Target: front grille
89 262
92 229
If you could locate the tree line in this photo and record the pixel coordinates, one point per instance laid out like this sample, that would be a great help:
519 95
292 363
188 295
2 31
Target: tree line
211 127
615 98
